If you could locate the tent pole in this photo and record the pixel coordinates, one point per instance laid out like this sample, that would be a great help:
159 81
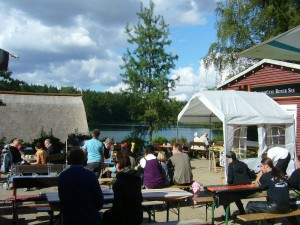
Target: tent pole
210 127
177 132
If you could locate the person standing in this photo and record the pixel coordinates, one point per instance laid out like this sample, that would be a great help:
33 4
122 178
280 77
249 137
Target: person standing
108 148
274 182
181 166
95 155
196 137
204 139
280 157
79 192
238 173
127 203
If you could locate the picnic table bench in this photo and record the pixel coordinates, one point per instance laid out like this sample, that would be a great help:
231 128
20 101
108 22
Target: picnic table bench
37 181
267 216
183 222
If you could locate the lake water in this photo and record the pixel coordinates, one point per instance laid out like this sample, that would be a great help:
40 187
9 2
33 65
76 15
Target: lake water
120 132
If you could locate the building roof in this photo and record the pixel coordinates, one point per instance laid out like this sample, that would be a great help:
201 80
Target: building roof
285 47
26 114
262 62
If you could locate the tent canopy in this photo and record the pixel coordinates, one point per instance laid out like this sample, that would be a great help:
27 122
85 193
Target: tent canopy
285 47
240 109
233 107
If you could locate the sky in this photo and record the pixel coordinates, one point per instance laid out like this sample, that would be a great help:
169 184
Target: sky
81 43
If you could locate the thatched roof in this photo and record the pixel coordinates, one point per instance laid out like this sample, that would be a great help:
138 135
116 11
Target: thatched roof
26 114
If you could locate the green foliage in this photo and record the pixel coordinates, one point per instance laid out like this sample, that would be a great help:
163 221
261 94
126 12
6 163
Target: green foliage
106 108
181 139
217 139
139 143
44 135
146 68
159 140
242 24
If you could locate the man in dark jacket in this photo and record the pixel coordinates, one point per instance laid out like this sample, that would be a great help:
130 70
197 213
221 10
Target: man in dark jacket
79 191
238 173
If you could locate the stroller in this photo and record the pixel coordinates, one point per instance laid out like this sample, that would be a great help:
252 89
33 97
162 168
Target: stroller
8 167
13 172
5 159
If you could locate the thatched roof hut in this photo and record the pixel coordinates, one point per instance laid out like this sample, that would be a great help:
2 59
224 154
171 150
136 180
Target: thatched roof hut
26 114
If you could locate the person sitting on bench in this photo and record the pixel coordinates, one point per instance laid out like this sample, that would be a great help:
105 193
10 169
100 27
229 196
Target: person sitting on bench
79 192
272 180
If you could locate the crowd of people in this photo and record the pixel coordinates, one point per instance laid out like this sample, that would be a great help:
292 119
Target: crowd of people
152 170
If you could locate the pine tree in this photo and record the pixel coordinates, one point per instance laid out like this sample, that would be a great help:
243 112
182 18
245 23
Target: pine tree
147 66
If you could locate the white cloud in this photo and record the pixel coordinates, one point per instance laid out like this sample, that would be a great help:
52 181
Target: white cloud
191 81
80 44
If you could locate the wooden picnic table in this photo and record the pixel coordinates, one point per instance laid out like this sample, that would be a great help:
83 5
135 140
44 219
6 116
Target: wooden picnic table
226 194
165 194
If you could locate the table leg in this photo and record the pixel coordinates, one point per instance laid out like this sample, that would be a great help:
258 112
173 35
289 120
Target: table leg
168 207
227 215
178 209
214 162
213 213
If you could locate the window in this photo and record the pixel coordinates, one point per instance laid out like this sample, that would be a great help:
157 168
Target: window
245 142
275 136
240 142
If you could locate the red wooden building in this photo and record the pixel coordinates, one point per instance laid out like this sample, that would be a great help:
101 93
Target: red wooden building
279 80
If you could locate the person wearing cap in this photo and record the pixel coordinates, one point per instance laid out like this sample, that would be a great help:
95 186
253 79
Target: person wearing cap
238 173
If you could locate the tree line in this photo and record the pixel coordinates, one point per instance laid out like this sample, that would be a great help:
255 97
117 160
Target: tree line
100 107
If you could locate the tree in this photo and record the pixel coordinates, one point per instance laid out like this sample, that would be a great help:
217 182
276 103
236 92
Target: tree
244 23
147 68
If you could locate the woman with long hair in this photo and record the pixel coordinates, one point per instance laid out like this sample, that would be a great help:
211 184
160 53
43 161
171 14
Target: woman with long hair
127 203
274 182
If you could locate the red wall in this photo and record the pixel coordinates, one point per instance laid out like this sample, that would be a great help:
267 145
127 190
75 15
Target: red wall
269 75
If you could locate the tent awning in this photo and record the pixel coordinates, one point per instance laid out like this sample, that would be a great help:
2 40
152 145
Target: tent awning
233 107
285 47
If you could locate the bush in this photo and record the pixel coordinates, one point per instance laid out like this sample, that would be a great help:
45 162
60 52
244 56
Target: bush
181 139
44 135
217 139
139 143
159 140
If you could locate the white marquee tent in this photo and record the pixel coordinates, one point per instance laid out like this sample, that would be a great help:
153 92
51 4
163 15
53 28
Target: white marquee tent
239 108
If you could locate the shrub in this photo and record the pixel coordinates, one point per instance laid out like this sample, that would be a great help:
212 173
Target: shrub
159 140
44 135
181 139
139 143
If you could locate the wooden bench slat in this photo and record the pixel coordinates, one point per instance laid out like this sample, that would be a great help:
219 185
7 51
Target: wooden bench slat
204 200
267 216
183 222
